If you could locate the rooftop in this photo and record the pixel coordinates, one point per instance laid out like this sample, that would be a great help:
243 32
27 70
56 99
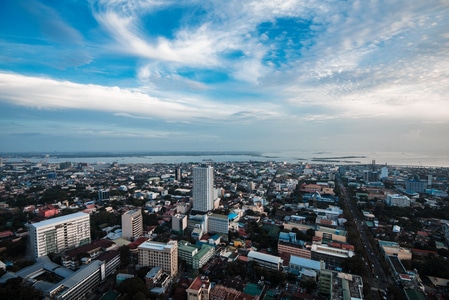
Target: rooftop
265 257
59 220
304 262
158 246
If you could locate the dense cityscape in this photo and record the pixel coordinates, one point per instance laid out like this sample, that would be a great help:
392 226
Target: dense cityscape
224 150
223 230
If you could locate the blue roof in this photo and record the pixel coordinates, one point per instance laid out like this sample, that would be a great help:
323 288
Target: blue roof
305 263
232 216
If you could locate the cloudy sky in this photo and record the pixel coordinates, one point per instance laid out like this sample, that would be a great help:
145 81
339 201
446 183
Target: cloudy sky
261 75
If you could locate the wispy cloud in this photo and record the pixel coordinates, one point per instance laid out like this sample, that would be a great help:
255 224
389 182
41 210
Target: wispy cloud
44 93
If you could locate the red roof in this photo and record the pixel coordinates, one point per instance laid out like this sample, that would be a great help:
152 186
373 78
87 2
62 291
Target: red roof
6 233
137 243
103 243
198 282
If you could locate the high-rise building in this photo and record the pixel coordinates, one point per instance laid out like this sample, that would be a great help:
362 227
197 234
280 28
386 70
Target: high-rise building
179 223
178 174
370 176
103 195
203 189
383 172
156 254
58 234
132 224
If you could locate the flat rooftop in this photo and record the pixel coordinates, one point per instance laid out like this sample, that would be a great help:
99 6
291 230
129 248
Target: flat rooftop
59 220
158 246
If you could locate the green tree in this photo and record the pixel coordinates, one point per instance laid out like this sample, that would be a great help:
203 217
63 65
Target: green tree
133 288
125 258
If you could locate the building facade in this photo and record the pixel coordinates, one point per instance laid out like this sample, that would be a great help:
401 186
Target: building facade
81 283
199 289
217 223
179 223
415 185
203 189
333 257
201 258
57 234
156 254
398 200
132 224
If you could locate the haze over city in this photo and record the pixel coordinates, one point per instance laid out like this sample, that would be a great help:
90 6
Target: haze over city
224 75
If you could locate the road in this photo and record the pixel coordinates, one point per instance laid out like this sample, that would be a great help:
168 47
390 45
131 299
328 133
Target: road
376 277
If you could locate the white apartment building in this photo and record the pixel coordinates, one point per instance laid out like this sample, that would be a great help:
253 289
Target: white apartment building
156 254
132 224
58 234
203 189
397 200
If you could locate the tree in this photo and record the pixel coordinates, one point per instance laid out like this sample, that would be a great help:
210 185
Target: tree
124 256
354 265
133 288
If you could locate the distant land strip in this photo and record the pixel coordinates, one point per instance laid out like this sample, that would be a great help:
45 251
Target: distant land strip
126 154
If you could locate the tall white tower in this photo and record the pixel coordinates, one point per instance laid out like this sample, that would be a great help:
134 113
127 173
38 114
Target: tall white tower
132 224
203 189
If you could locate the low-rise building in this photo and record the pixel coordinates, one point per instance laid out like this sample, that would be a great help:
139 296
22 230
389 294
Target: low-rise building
333 257
199 289
81 283
266 260
203 256
337 285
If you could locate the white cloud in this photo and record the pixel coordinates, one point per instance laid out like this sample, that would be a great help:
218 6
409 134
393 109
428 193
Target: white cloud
44 93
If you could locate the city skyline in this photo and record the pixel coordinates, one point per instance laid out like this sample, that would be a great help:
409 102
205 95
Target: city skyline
205 76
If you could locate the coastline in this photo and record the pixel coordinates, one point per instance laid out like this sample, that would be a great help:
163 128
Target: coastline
179 157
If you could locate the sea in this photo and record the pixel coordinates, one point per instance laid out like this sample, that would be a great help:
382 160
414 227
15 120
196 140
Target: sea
298 157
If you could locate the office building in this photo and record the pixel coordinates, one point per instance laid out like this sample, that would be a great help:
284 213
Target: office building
179 223
370 176
217 223
104 195
156 254
398 200
415 185
178 174
333 257
57 234
132 224
203 189
383 172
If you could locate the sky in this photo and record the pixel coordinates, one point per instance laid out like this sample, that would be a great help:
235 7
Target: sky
235 75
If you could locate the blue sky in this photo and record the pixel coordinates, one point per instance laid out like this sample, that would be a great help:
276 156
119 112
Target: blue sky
126 75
